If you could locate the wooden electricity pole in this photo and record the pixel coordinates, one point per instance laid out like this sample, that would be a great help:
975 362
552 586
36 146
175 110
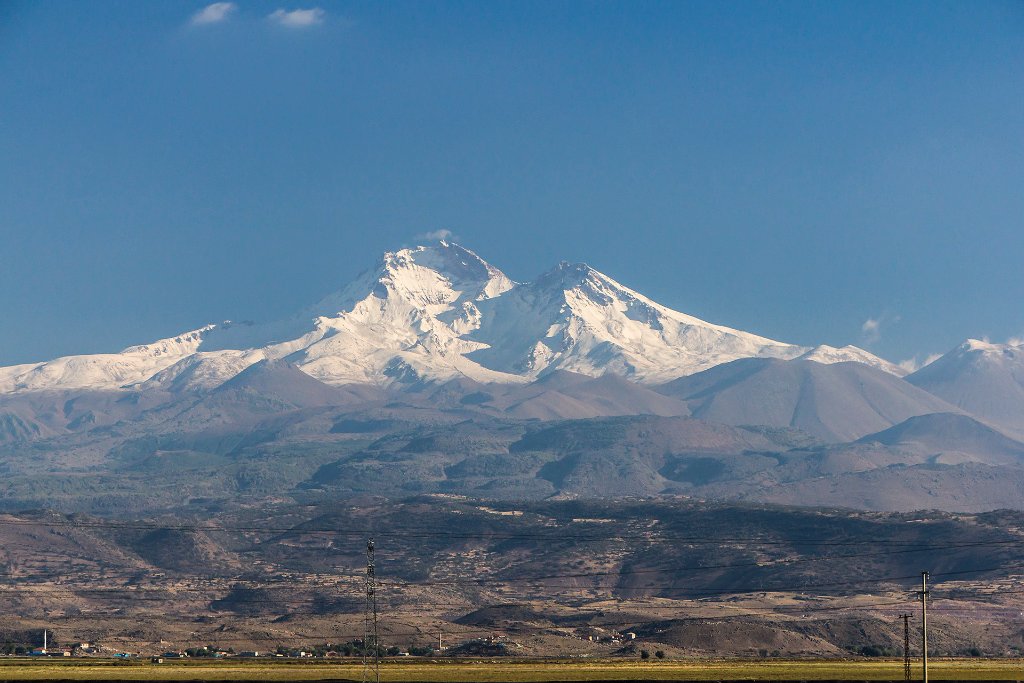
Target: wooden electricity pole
924 626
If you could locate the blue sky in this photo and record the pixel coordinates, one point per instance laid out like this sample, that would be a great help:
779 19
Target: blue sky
792 169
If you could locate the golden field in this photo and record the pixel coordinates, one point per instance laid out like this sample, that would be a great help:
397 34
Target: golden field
501 671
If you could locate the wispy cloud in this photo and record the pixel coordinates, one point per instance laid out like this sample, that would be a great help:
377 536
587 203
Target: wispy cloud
1016 341
913 364
298 18
871 329
441 234
214 14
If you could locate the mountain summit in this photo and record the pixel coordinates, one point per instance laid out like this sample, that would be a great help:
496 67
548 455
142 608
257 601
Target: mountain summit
982 378
435 313
578 319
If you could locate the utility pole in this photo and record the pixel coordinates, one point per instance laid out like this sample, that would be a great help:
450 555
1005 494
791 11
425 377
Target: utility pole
439 647
906 646
370 619
924 626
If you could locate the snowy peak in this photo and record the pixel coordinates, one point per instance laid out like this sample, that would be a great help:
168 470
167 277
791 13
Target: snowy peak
178 346
976 354
982 378
439 312
571 275
404 321
440 275
829 354
577 319
462 268
1004 352
431 276
579 286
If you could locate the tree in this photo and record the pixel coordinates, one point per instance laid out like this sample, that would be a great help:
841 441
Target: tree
660 654
644 654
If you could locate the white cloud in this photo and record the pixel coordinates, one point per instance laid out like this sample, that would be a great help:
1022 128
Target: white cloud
910 364
1016 341
298 18
913 364
438 235
214 14
871 330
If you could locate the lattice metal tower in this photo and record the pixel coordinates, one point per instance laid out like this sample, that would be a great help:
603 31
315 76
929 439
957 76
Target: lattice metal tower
371 644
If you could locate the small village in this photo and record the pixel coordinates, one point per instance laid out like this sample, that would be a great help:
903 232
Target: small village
488 646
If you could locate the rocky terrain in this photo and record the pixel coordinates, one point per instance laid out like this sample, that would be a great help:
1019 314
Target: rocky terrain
566 577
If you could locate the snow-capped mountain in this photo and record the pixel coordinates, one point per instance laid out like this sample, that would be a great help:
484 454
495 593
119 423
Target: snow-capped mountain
439 312
827 355
982 378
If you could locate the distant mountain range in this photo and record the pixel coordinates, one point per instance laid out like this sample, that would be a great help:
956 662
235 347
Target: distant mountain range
435 373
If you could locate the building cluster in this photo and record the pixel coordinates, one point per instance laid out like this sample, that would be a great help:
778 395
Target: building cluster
600 635
496 645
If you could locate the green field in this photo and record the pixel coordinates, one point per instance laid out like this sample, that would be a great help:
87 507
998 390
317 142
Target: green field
468 671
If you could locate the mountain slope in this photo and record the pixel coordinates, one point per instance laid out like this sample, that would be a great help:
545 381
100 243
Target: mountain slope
284 383
837 402
102 371
951 439
566 395
963 488
986 380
